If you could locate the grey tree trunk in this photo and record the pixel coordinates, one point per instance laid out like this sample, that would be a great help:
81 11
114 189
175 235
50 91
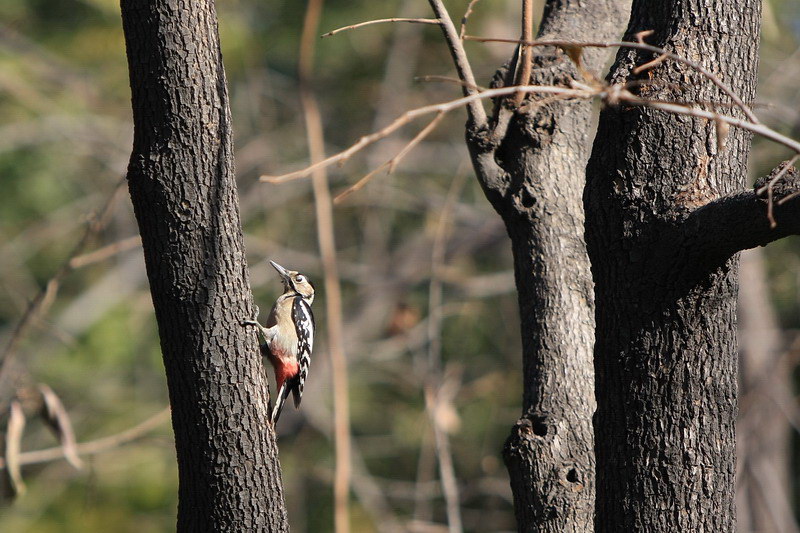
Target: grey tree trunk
533 173
181 181
667 211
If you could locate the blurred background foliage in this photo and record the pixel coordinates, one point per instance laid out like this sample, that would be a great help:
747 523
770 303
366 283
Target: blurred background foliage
65 136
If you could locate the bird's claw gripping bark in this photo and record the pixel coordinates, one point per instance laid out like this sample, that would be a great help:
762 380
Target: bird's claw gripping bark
254 320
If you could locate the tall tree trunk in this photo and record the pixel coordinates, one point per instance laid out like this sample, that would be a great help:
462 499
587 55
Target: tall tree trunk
181 180
534 176
664 221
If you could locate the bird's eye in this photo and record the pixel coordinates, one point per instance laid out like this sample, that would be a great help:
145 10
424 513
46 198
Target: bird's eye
300 278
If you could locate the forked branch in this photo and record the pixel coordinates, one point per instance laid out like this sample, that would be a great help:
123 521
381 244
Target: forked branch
405 118
713 78
94 447
609 94
475 109
392 163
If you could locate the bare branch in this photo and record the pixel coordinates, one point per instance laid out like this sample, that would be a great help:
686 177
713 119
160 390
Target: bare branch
101 254
392 163
788 198
611 95
786 165
522 75
683 109
13 447
650 64
95 446
407 117
58 419
739 221
448 79
436 390
474 108
638 46
42 302
467 13
380 21
327 246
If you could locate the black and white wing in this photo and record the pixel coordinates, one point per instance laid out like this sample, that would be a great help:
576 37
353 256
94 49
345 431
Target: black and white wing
303 320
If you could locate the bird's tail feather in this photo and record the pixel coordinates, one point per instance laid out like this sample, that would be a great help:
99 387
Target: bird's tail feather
283 393
297 395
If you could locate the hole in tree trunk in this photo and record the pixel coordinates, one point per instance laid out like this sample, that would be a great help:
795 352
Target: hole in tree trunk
539 425
572 475
527 198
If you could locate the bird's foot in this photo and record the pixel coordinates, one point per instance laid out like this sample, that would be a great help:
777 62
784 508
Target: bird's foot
254 320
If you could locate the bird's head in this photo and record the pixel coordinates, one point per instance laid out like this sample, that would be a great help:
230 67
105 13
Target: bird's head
295 283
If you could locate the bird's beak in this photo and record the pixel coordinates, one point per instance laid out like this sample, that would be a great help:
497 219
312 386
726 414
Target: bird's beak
282 271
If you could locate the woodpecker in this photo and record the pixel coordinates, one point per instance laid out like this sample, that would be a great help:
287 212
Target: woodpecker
288 336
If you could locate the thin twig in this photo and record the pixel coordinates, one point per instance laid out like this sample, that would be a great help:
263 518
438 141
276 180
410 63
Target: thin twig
532 105
101 254
379 21
683 109
408 116
650 64
42 302
467 13
327 245
778 176
447 79
95 446
639 36
522 74
392 163
433 385
426 468
416 140
768 188
612 95
787 198
477 113
638 46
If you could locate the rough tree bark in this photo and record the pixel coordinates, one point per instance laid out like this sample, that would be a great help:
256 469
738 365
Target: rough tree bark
533 172
181 181
666 214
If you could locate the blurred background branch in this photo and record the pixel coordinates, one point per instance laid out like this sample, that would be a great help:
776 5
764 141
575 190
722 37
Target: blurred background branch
323 205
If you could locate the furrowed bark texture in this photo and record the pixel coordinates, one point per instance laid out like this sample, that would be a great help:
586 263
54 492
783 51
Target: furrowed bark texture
181 181
534 177
665 285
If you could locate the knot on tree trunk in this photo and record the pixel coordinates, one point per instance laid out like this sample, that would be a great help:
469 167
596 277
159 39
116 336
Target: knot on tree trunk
548 482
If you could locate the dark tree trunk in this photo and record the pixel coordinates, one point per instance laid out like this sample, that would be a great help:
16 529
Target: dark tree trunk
534 177
181 181
664 220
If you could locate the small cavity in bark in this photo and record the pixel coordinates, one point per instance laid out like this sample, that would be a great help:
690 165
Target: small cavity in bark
527 199
539 425
572 475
